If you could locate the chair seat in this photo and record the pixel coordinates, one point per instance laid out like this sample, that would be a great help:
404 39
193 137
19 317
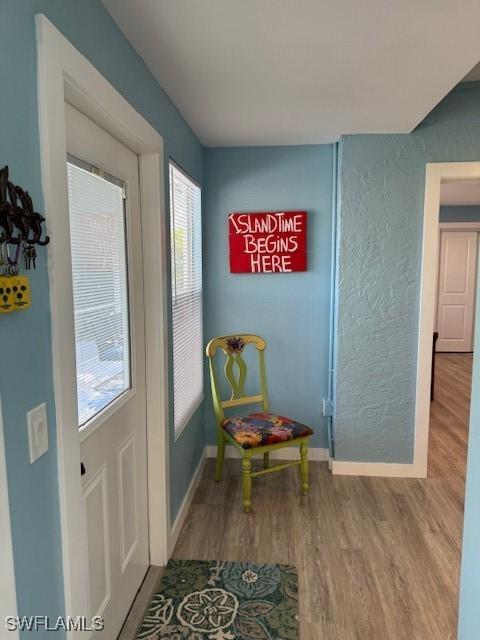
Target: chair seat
261 429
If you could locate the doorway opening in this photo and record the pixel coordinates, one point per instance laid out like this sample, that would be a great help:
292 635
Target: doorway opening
98 369
453 338
446 346
465 173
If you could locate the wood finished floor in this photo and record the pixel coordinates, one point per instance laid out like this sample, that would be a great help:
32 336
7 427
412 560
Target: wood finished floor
378 559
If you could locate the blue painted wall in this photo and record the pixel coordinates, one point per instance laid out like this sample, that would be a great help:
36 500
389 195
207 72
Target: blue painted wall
292 311
382 183
25 374
469 614
460 213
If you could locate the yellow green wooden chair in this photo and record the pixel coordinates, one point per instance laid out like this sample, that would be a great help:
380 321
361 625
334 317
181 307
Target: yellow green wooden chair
254 433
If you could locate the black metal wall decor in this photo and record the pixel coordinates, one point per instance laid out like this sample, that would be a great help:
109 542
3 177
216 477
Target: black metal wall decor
20 233
20 226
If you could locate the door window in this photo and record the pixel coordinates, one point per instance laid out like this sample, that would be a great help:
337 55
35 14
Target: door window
100 288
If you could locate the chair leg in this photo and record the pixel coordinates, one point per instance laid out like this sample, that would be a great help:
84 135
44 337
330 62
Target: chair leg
266 460
220 456
304 468
246 483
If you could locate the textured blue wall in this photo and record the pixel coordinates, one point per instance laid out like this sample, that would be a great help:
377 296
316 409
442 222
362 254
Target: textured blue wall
292 310
457 213
25 374
382 182
469 615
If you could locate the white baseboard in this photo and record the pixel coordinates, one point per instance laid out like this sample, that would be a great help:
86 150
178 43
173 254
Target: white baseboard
380 469
288 453
186 502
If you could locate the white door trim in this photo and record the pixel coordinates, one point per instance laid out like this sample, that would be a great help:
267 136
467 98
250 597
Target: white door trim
65 74
459 226
8 599
435 172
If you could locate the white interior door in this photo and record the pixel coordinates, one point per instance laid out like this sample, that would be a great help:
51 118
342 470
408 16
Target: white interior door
456 290
108 305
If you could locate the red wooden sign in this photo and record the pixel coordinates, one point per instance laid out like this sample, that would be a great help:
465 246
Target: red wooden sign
268 242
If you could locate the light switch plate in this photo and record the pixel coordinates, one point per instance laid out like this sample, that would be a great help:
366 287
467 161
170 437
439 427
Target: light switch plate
327 408
37 432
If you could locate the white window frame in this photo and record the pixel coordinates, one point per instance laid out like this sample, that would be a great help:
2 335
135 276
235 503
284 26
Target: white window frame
197 401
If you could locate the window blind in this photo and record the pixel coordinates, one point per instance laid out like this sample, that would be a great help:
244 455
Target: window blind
187 320
100 291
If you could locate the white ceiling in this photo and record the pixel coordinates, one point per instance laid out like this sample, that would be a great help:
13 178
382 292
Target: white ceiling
262 72
460 192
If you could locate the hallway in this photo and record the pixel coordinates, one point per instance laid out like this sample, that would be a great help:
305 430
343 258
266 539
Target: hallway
449 418
377 558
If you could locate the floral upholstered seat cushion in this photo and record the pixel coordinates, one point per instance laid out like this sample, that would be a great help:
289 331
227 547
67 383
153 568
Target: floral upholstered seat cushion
261 429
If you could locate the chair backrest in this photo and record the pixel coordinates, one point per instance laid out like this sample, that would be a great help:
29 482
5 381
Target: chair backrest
235 371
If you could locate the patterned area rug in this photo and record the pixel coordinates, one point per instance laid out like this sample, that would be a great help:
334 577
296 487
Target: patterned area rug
223 601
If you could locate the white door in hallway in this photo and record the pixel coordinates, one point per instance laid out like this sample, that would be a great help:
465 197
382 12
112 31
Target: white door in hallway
456 290
108 311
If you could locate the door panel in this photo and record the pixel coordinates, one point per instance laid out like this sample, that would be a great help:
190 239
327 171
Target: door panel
96 509
453 321
107 271
127 500
456 290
